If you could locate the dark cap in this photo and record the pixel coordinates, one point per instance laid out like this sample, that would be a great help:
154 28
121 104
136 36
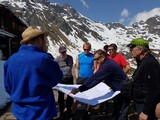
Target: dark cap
62 49
138 42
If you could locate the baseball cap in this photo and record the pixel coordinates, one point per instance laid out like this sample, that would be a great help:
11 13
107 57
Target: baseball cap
138 42
62 49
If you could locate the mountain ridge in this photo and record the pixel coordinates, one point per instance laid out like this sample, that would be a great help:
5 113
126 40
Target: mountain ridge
67 26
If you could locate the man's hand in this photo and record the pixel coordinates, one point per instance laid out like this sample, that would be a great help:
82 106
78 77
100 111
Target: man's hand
74 90
143 116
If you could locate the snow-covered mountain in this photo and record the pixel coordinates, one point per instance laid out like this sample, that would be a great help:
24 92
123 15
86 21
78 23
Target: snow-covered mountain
69 27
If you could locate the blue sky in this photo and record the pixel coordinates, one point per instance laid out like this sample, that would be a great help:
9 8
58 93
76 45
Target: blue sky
123 11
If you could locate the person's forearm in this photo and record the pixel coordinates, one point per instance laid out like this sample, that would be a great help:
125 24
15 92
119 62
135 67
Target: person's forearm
76 74
126 69
83 88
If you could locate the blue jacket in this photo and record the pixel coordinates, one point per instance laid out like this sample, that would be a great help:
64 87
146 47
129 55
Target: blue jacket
109 72
30 75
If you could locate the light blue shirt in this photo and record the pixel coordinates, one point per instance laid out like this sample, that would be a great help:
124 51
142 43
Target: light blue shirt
86 62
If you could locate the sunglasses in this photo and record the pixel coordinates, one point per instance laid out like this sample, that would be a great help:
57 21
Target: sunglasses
97 58
110 49
63 52
86 49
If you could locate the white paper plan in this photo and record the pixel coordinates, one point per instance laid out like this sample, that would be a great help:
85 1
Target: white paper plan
98 94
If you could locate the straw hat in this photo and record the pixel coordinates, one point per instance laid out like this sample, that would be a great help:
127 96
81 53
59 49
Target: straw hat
31 33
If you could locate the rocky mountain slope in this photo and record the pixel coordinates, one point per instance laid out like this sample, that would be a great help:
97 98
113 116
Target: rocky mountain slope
69 27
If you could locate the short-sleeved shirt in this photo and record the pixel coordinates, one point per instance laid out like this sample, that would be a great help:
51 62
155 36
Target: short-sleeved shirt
120 60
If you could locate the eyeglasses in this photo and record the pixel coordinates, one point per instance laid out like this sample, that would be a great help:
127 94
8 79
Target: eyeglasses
97 58
110 49
63 52
86 49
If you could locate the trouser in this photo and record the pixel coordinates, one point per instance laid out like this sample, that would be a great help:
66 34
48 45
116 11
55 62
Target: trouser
69 100
61 103
125 108
117 106
139 108
80 80
80 112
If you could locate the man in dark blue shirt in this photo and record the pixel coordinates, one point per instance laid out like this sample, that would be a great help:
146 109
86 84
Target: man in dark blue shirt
109 72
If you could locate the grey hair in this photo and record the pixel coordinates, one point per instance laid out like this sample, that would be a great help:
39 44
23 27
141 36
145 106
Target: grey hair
144 48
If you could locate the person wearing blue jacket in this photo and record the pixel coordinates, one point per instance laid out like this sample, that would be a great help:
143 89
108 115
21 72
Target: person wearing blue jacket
29 76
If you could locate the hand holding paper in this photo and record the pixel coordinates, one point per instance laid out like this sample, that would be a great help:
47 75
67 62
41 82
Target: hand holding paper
93 96
74 90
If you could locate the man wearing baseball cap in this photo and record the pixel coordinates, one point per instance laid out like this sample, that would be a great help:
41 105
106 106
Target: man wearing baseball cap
146 78
138 42
29 76
65 62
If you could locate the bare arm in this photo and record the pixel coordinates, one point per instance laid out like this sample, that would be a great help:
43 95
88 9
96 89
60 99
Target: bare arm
126 68
96 66
76 68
